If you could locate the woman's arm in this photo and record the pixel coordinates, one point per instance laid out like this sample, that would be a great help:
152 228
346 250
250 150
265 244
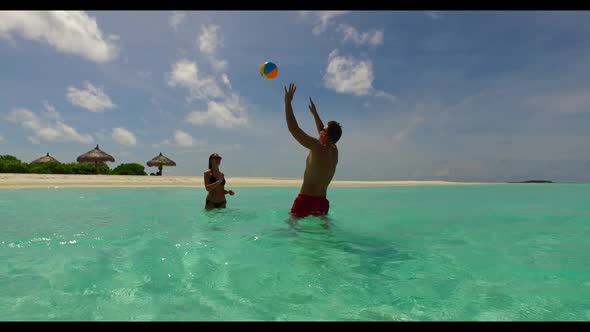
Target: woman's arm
213 185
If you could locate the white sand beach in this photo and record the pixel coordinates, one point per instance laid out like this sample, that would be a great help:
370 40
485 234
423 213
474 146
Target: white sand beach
14 181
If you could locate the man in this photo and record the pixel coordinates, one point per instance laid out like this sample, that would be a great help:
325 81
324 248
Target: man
321 161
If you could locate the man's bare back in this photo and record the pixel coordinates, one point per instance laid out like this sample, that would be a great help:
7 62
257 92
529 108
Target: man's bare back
321 161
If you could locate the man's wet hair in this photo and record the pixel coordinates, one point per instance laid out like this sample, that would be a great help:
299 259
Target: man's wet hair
334 131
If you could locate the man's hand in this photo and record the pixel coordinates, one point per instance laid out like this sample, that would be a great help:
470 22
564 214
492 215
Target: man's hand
312 107
231 193
318 122
290 93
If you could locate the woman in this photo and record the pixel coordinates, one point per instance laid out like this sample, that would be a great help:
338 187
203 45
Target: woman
214 183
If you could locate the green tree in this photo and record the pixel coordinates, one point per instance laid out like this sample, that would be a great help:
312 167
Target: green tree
8 158
47 168
129 169
89 168
10 164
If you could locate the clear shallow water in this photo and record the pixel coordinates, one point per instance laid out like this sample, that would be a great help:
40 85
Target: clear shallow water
509 252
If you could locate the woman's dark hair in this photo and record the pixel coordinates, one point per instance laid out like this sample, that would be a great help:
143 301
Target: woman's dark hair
211 158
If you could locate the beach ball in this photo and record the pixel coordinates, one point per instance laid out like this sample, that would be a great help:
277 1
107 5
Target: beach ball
269 70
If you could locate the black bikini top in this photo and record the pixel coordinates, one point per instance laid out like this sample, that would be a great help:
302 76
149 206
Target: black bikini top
214 179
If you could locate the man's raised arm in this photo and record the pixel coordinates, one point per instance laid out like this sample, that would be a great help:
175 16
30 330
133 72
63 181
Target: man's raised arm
301 137
318 122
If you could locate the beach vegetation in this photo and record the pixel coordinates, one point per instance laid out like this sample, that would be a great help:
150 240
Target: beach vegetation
129 169
10 164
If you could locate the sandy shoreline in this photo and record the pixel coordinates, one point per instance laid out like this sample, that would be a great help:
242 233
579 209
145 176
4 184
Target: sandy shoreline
15 181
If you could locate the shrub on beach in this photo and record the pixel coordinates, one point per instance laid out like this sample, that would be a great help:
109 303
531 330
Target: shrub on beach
10 164
48 168
129 169
7 158
71 168
88 168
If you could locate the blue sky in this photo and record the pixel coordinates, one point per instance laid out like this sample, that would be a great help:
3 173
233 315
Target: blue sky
421 95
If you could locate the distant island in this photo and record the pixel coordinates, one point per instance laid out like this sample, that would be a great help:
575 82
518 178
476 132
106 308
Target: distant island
533 181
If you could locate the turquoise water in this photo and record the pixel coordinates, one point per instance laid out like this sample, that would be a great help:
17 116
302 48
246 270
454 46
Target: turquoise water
506 252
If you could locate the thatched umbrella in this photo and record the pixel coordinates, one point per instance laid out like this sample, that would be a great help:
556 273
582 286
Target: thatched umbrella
45 159
95 156
160 161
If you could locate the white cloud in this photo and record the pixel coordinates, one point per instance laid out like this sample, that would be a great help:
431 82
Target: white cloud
164 142
322 18
224 109
227 114
8 38
176 18
1 138
209 41
225 80
52 131
219 65
68 133
50 111
25 118
90 97
435 15
33 140
185 73
345 74
383 94
402 135
351 34
183 139
124 136
71 32
348 75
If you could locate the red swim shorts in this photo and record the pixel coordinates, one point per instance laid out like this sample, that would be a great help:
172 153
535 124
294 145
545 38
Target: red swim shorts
305 205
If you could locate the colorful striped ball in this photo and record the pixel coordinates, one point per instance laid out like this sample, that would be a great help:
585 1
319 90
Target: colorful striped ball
269 70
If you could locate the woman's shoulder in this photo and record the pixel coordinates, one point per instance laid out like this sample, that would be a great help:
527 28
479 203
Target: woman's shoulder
207 172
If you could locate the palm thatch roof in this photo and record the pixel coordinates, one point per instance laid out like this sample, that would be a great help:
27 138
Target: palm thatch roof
95 155
45 159
160 160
